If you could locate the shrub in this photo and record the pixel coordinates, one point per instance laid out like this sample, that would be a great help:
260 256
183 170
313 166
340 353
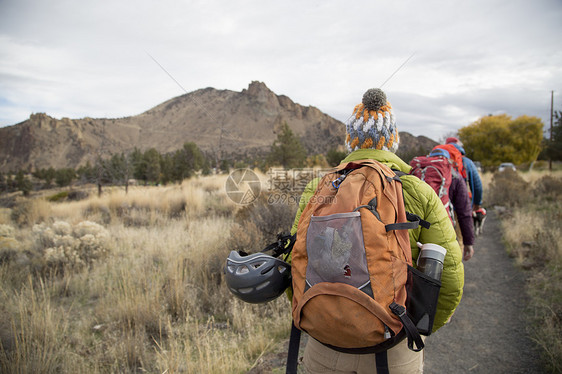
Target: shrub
62 244
9 246
545 290
533 237
264 220
549 187
6 231
508 188
77 195
58 197
29 212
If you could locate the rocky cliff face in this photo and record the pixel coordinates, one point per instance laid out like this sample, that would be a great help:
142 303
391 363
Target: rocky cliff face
222 123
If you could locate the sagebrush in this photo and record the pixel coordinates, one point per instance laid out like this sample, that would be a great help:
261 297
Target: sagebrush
133 282
531 225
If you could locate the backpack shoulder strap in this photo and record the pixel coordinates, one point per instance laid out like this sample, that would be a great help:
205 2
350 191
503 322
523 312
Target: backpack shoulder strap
414 221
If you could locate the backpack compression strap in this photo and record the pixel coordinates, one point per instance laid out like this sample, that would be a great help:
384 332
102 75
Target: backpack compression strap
412 332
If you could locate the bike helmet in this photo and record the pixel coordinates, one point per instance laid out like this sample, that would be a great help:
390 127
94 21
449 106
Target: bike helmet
256 278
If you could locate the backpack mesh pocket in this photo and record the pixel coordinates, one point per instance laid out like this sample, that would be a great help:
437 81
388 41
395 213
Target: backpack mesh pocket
336 251
421 304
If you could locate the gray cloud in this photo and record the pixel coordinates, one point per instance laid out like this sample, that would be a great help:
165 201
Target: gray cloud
88 58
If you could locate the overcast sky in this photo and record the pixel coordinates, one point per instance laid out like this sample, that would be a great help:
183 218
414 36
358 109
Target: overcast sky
470 58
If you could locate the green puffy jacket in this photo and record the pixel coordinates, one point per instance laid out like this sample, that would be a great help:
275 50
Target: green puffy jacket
422 200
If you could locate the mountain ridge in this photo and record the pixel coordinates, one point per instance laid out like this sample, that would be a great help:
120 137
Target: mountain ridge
223 124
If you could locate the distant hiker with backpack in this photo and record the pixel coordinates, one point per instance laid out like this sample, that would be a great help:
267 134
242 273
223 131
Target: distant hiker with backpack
437 170
472 175
353 262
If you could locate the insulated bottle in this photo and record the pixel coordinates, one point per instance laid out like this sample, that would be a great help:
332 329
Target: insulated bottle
430 260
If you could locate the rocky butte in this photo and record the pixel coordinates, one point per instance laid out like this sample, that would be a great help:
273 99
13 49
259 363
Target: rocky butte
223 123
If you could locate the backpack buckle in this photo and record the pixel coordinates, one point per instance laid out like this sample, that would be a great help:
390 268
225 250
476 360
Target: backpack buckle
398 310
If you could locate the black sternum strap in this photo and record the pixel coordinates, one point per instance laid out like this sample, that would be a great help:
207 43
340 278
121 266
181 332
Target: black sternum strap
414 221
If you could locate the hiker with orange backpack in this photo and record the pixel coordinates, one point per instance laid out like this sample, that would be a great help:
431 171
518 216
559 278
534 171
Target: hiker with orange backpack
472 176
474 184
437 170
349 227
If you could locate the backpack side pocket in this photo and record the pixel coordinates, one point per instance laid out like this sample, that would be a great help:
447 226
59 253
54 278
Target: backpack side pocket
421 304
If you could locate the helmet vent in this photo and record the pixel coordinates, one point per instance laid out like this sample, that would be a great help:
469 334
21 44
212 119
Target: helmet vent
262 286
242 270
246 290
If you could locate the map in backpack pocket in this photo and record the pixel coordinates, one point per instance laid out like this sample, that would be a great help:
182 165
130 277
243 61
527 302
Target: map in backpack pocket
336 252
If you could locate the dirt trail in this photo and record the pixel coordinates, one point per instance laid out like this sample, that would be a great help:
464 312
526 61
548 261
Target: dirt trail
486 334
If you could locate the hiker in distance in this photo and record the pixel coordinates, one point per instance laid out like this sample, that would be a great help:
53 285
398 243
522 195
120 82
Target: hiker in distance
472 176
460 208
372 136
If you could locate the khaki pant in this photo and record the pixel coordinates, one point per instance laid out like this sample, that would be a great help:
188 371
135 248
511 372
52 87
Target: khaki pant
320 359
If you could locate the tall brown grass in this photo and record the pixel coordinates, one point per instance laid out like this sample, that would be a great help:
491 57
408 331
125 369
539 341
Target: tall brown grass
154 302
531 225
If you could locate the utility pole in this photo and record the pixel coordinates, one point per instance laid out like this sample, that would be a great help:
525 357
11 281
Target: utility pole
551 115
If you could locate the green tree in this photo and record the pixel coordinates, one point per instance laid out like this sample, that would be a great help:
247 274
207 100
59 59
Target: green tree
407 154
152 161
86 173
10 182
47 175
553 148
167 168
495 139
334 156
23 183
138 164
118 170
225 166
3 186
64 177
187 161
287 150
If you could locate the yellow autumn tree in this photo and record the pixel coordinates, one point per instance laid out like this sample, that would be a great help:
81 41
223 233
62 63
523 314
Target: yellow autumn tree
496 139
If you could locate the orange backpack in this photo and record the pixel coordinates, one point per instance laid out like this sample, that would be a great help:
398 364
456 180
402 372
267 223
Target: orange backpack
351 261
455 157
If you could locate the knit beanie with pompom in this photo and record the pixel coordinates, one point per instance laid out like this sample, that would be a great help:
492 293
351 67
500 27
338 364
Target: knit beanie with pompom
372 124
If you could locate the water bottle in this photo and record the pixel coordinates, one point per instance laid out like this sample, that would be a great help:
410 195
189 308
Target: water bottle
430 260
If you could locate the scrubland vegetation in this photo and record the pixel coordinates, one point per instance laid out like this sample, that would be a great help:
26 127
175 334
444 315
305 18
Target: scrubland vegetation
530 209
133 282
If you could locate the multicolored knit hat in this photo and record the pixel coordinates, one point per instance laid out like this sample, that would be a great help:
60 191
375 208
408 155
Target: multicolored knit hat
372 124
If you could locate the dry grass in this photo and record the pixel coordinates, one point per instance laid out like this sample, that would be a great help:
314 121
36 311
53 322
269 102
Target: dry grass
532 231
154 302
